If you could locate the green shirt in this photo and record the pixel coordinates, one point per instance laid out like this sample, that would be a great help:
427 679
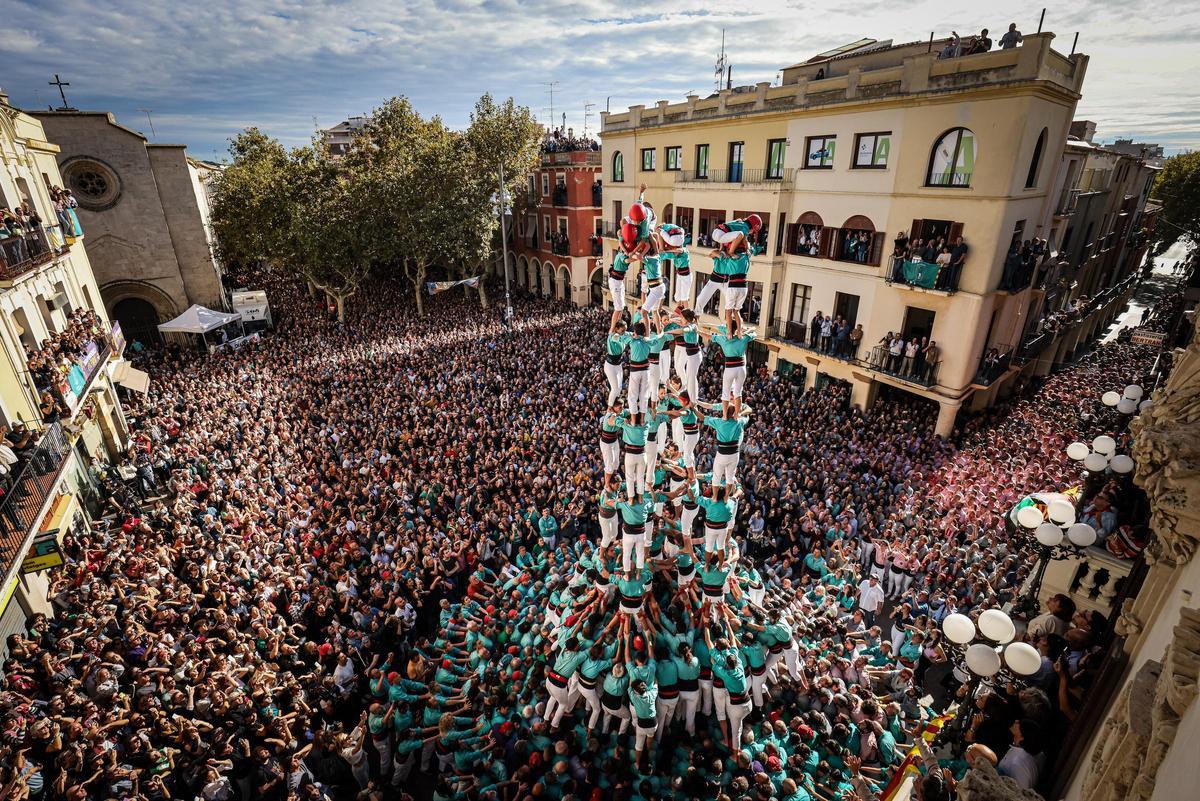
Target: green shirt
733 347
643 703
728 431
617 343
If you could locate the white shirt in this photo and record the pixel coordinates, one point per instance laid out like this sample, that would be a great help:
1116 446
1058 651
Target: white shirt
1019 765
869 598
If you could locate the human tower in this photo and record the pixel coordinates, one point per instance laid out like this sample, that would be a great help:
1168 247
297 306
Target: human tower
692 633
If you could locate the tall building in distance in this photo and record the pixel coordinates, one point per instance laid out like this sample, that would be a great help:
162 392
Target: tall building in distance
145 207
556 228
854 153
58 403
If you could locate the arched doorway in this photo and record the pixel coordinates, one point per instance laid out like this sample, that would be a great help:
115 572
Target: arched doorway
547 280
597 284
522 271
532 275
139 320
563 290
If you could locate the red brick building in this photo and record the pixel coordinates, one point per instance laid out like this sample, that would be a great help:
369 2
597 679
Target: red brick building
556 252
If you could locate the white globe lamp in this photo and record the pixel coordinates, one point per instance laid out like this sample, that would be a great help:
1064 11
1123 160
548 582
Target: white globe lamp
997 626
1110 398
983 660
1078 451
958 628
1023 658
1061 512
1095 463
1133 392
1030 516
1104 444
1121 464
1049 535
1081 535
1127 406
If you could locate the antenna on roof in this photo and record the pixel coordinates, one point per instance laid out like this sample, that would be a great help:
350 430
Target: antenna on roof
722 63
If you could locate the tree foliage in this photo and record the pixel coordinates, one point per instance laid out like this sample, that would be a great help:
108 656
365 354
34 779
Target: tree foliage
410 195
1178 189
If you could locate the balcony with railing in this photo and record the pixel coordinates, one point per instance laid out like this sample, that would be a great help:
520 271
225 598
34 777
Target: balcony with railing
597 194
766 178
23 254
610 230
993 364
30 484
559 196
560 245
924 276
1067 202
911 369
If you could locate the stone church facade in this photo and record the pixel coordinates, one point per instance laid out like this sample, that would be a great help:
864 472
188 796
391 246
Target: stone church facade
145 208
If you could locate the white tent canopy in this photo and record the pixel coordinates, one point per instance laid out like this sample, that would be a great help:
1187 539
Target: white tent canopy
198 320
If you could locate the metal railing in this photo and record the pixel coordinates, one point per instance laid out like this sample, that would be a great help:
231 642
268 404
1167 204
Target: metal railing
948 278
1033 347
559 196
23 253
561 247
1067 202
912 369
26 491
609 229
737 176
993 366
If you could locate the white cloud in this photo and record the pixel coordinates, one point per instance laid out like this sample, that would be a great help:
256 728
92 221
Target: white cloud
277 63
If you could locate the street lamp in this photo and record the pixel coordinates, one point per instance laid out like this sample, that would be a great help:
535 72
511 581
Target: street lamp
1055 536
983 652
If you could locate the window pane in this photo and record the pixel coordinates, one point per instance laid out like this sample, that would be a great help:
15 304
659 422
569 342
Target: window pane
702 161
965 165
820 151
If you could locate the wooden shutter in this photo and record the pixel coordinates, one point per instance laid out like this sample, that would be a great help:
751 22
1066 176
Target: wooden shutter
791 237
784 231
877 242
915 232
829 237
955 232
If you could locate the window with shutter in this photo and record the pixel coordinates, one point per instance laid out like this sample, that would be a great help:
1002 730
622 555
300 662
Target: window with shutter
829 236
955 232
915 231
877 242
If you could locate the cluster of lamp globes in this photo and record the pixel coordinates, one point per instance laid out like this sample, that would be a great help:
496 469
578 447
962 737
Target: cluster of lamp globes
985 659
1127 402
1060 525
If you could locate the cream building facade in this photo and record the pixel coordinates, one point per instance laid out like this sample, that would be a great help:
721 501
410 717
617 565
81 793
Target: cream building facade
866 145
46 495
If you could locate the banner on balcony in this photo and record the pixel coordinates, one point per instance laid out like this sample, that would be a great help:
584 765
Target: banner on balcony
76 380
118 338
921 273
434 287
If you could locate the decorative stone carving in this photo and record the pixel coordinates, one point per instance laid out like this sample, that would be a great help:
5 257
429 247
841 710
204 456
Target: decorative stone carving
983 783
1144 722
1166 448
1127 623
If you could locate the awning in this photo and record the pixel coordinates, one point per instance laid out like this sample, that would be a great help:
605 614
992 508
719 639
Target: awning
198 320
130 377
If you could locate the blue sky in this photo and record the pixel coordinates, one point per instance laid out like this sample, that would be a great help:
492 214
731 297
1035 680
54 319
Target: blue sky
209 69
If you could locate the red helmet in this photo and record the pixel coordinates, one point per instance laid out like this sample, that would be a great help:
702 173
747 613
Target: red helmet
629 233
754 221
638 642
637 212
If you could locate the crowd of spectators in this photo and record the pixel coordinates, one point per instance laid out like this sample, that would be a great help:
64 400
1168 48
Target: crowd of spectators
564 140
835 335
50 363
24 235
950 255
347 579
981 42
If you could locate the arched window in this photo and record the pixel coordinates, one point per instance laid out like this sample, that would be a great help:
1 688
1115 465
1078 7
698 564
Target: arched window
618 166
807 236
952 161
1035 162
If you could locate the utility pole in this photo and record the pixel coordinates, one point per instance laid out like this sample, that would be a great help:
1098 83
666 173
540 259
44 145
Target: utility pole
150 120
550 87
587 115
508 310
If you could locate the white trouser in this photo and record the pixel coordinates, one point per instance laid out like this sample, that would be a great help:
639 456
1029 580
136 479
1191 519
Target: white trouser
591 700
633 550
635 473
734 298
687 366
664 365
683 288
644 734
609 528
736 713
616 288
401 768
725 468
732 380
687 520
654 297
651 456
664 712
706 696
720 700
621 714
757 683
654 380
556 704
677 431
791 659
688 701
690 441
707 292
616 378
639 391
611 453
715 536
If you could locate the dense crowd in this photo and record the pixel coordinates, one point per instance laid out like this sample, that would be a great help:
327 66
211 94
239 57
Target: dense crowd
50 363
379 554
